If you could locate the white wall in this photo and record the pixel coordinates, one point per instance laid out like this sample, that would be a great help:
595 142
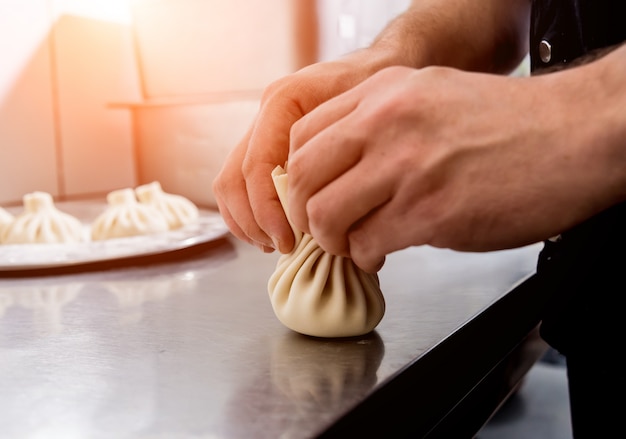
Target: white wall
346 25
202 77
204 66
27 136
63 63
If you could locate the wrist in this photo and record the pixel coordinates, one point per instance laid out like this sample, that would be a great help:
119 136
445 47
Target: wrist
593 109
612 71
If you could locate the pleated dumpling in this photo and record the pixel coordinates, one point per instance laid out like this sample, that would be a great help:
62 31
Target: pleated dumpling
124 216
177 209
5 219
42 222
315 293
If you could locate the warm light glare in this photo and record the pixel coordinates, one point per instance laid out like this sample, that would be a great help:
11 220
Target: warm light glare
118 11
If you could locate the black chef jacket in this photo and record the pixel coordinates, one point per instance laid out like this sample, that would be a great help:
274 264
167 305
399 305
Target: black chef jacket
584 271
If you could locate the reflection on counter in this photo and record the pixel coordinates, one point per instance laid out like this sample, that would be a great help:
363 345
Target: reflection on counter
133 294
312 375
324 372
48 296
6 300
45 301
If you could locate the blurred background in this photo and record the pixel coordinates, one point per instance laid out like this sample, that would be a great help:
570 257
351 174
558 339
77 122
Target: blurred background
97 95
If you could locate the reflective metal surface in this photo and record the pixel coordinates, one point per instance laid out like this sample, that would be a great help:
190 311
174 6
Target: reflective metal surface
191 348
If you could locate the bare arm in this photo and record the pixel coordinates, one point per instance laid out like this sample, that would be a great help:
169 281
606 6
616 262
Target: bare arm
488 36
468 161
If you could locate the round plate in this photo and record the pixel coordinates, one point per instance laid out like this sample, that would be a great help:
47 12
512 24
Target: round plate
18 257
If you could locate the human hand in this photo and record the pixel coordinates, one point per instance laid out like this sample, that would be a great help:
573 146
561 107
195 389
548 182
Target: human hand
244 189
467 161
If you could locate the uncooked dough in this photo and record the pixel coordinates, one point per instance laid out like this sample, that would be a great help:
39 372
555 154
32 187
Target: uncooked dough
125 216
5 219
42 222
315 293
178 210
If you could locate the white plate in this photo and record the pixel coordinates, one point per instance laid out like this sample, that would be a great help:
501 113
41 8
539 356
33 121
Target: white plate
17 257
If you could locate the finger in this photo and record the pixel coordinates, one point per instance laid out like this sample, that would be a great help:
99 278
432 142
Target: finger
345 202
266 210
320 151
374 267
230 190
231 223
237 231
385 230
268 147
319 119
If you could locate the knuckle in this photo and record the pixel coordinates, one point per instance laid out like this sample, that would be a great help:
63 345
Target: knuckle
272 89
317 215
366 262
362 251
324 230
219 187
296 140
248 167
294 170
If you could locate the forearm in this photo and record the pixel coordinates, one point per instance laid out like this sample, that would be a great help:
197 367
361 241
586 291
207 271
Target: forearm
488 35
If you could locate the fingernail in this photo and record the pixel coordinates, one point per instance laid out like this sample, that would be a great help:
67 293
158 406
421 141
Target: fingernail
275 243
264 247
258 245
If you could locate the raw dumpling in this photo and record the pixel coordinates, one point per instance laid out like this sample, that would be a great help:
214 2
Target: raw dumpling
5 219
319 294
42 222
125 216
177 209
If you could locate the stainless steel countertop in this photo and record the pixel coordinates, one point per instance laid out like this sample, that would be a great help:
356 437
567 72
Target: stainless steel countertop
192 349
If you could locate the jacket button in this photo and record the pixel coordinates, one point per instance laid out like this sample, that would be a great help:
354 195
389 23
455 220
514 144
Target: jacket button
545 51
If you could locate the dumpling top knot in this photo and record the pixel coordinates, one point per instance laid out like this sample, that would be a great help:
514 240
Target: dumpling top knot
121 197
178 210
42 222
37 201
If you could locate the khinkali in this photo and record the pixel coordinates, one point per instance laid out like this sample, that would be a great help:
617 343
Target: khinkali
315 293
5 219
125 216
42 222
177 209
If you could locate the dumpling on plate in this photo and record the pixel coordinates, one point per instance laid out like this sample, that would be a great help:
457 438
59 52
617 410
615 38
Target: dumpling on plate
178 210
124 216
42 222
315 293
